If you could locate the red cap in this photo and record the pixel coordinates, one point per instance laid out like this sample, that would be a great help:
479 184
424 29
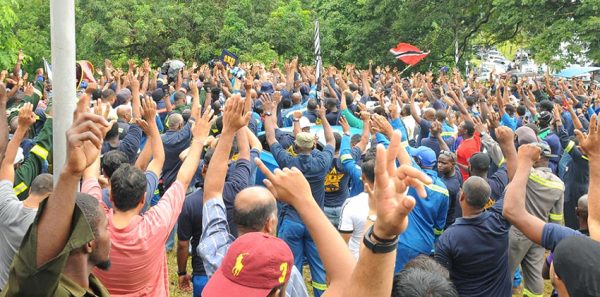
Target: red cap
254 264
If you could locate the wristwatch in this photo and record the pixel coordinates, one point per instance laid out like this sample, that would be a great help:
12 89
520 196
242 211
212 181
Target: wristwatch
268 113
348 134
380 246
296 120
181 273
372 218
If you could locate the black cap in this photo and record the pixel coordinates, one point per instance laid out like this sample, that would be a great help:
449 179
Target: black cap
577 264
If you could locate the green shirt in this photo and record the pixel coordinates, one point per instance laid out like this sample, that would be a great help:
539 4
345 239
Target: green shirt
27 280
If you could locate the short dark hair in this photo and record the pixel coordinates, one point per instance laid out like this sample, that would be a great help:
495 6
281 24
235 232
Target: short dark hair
477 191
113 132
368 170
429 264
312 104
179 95
127 187
471 100
521 110
469 127
417 282
338 140
355 138
112 160
107 93
42 184
255 218
440 115
89 206
546 105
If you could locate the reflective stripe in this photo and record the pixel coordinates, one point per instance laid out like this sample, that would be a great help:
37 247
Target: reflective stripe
120 130
39 151
20 188
156 192
446 134
319 286
569 146
585 158
502 161
437 232
528 293
37 92
345 157
489 204
556 217
438 189
546 182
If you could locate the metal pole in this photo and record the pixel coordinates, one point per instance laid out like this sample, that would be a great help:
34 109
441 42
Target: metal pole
62 24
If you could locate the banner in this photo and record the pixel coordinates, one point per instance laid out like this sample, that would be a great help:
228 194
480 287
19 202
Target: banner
229 58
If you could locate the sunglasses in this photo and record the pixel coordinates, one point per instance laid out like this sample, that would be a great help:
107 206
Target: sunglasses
449 154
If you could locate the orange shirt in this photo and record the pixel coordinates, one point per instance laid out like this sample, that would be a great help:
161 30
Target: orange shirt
465 150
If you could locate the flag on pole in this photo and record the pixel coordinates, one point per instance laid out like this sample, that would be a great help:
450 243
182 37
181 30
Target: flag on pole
48 70
408 53
318 61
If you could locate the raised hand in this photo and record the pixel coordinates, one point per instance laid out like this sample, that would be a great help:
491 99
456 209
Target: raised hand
148 109
345 125
26 116
505 135
267 101
391 183
202 126
87 129
234 117
528 153
590 142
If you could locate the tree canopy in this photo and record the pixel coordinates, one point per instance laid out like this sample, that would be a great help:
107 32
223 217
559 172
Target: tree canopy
352 31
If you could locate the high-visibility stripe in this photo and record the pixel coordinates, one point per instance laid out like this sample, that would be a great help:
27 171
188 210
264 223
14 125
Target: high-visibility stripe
585 158
546 182
20 188
528 293
489 204
569 146
437 232
156 192
345 157
39 151
556 216
37 92
319 286
438 189
446 134
502 161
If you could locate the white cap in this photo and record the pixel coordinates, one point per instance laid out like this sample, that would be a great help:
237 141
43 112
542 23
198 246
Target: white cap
304 122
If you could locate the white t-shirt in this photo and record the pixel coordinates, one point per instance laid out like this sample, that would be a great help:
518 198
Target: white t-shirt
352 219
15 220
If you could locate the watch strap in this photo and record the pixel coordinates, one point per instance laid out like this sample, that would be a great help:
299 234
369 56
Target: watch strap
376 247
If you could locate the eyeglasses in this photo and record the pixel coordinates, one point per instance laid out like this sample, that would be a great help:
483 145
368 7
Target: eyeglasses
449 154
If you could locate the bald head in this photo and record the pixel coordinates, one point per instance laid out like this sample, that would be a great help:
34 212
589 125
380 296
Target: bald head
175 121
253 94
252 209
296 98
124 112
582 203
476 192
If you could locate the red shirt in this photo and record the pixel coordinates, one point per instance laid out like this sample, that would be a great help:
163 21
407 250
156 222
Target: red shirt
466 149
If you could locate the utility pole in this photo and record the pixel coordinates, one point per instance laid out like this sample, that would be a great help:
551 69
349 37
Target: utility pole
62 29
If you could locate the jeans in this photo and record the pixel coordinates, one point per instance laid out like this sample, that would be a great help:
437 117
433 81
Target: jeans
199 282
298 239
333 214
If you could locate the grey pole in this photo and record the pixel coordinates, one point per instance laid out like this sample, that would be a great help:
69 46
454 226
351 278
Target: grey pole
62 24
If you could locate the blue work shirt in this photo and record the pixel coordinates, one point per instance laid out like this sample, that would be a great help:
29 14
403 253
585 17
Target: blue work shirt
509 121
350 157
174 142
314 166
336 184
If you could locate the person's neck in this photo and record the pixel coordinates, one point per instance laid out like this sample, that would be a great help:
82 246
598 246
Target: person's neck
468 212
121 219
114 142
78 269
33 201
450 173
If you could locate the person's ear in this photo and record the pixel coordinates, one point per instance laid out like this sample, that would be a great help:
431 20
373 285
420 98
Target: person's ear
88 248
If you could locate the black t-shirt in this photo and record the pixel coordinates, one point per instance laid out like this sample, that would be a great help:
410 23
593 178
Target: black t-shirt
190 227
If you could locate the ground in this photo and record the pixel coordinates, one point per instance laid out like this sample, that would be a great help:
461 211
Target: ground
175 292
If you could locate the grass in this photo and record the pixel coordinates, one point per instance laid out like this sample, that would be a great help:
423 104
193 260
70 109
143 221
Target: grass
175 292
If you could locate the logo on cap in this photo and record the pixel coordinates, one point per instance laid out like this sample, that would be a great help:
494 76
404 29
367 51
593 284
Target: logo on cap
238 264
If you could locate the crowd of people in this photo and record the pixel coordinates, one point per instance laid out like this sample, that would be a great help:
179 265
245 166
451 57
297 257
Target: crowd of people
418 185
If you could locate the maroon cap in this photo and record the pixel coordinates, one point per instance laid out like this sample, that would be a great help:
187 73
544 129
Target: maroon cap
254 264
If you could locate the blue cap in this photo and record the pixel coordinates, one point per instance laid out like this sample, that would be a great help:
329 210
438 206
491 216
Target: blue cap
425 155
267 87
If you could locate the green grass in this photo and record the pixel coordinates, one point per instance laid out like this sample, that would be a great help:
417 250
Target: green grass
175 292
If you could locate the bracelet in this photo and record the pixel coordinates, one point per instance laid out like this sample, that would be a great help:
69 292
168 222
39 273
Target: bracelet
381 240
181 273
380 247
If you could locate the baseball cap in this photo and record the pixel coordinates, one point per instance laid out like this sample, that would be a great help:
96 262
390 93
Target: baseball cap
254 264
546 151
545 118
267 87
304 122
425 155
577 264
304 140
480 161
526 135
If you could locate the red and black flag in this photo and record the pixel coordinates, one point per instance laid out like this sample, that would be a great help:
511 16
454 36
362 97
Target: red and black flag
408 53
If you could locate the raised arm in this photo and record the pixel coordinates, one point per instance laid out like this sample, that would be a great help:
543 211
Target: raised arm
84 140
234 119
190 164
3 121
514 200
158 152
506 137
413 108
136 106
193 84
26 119
270 118
329 138
590 144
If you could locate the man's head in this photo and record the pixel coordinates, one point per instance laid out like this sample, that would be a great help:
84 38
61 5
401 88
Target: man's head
175 122
424 156
113 133
510 109
466 129
368 172
475 195
296 98
446 162
526 135
305 124
418 282
124 113
331 104
479 165
98 249
41 186
429 114
440 115
576 267
256 264
111 161
545 155
109 96
582 211
311 105
255 210
127 188
545 119
304 143
179 98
